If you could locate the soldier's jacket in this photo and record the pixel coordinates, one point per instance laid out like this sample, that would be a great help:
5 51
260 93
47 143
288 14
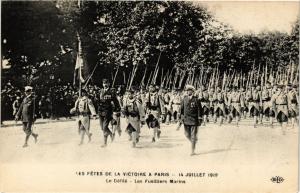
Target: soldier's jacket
84 106
280 103
154 102
254 99
191 110
16 106
293 101
266 96
204 98
108 102
175 102
27 110
236 100
219 99
134 112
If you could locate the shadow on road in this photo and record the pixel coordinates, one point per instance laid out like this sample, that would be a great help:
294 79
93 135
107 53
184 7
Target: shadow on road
214 151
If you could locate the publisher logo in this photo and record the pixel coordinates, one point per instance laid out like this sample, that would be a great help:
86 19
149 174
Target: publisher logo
277 179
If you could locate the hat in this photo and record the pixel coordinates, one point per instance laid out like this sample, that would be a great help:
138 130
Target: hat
295 86
27 88
189 87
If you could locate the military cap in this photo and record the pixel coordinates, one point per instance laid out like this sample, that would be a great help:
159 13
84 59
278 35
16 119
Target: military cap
295 86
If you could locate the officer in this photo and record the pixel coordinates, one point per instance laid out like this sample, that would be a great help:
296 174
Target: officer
154 109
191 115
27 114
135 116
108 103
84 107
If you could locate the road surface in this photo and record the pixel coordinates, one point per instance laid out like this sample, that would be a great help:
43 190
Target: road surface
243 159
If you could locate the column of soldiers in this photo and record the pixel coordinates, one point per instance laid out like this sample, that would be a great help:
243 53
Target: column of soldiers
189 107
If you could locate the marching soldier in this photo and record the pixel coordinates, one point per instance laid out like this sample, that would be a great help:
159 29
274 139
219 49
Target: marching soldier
27 114
175 104
191 116
219 108
255 103
235 103
267 109
244 108
16 105
84 107
108 103
155 109
167 106
293 104
205 103
135 116
228 113
280 103
116 121
211 93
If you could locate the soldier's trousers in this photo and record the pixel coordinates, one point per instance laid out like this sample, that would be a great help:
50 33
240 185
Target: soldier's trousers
104 123
27 128
191 132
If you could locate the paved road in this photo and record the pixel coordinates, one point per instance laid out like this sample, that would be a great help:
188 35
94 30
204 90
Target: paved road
245 158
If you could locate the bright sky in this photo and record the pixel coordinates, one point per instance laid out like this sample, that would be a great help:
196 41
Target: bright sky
254 16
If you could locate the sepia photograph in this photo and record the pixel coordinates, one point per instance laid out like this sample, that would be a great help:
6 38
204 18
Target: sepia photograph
149 96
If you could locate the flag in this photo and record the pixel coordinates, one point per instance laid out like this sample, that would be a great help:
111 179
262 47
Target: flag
78 76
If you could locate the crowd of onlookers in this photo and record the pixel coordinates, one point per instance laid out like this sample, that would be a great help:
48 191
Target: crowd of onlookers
52 101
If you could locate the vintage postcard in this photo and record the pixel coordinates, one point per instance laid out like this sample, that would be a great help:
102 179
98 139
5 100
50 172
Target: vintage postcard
149 96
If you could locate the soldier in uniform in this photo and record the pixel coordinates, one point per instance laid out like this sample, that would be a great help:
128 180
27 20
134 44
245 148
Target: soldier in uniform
267 109
293 104
205 103
116 123
168 112
108 103
236 102
212 103
219 108
84 107
255 103
175 104
135 116
280 103
191 115
154 109
16 105
244 107
27 114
